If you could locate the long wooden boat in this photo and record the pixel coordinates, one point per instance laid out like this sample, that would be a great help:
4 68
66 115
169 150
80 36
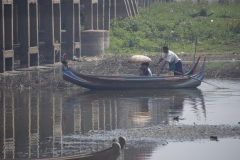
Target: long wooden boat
111 153
189 80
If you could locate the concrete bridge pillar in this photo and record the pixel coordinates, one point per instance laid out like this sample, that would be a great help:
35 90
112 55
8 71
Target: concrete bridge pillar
77 28
122 9
28 16
101 15
127 4
51 20
107 5
113 9
92 39
6 36
71 17
88 14
141 3
136 6
106 39
95 15
133 7
101 7
107 15
92 43
15 23
147 3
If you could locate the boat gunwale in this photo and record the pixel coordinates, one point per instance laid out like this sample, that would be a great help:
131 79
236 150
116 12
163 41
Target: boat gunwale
133 78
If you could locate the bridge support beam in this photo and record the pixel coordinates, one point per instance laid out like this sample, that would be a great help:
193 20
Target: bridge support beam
6 36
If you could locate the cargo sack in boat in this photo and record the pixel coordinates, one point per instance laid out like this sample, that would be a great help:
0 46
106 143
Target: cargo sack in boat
172 66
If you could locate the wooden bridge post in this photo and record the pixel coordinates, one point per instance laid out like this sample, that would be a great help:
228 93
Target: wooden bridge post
6 36
28 18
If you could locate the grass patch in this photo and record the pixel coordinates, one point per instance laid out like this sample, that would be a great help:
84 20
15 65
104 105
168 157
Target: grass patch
221 65
178 24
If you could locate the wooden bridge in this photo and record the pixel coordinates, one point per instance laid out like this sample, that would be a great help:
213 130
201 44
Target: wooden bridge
38 32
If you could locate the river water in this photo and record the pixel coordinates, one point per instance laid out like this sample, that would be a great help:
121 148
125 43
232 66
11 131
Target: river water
38 123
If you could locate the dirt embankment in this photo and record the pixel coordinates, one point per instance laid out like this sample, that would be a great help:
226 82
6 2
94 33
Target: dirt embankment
111 65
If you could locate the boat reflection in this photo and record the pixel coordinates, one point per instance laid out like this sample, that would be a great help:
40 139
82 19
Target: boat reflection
29 117
145 107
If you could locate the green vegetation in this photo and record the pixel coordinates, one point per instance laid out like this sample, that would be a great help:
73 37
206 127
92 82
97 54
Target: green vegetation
221 65
215 26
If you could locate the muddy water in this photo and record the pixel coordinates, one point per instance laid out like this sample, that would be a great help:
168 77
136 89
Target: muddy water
199 150
40 123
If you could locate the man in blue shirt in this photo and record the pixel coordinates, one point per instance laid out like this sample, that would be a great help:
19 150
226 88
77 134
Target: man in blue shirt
144 70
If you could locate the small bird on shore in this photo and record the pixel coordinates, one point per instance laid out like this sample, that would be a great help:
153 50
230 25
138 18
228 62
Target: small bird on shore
176 118
214 138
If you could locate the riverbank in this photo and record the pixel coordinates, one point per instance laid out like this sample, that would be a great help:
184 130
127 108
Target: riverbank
177 133
218 66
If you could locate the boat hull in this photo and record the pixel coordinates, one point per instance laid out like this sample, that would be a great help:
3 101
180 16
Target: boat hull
119 82
160 84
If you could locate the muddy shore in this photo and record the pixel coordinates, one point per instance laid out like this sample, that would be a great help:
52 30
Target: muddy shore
159 133
51 76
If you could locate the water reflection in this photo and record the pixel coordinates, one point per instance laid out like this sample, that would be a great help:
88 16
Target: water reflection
8 126
30 117
142 108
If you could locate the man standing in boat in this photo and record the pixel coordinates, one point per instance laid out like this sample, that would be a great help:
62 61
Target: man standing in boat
175 63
